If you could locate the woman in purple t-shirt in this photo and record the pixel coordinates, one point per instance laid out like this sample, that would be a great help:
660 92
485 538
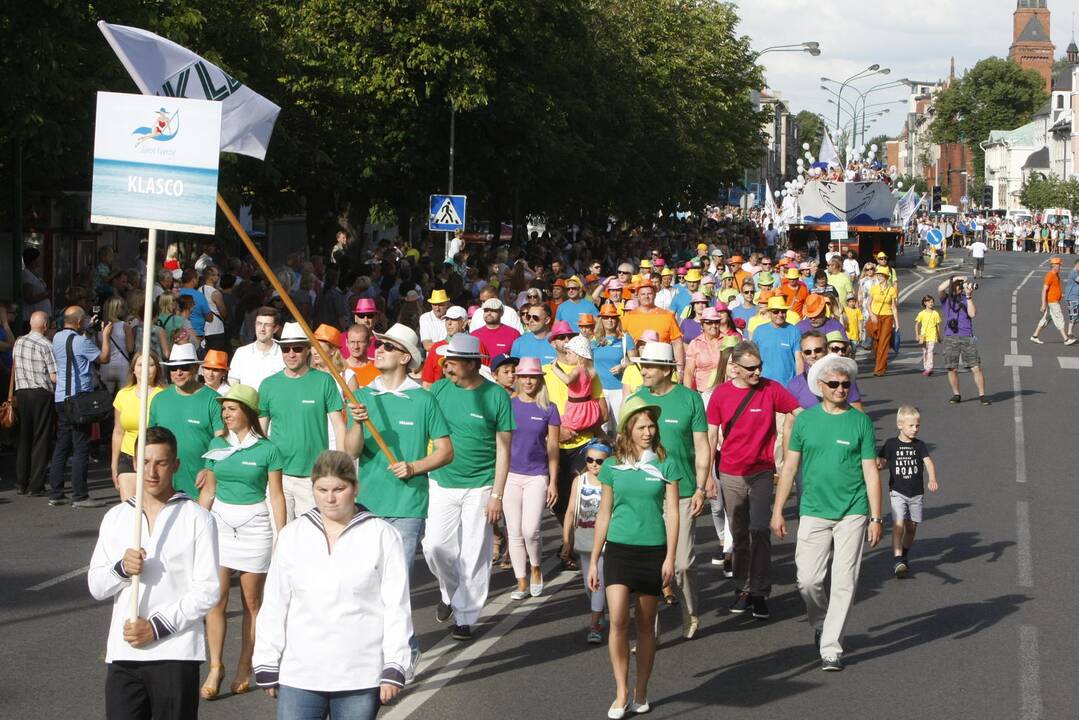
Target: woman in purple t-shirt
532 481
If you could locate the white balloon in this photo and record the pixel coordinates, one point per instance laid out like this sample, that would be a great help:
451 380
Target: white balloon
873 147
784 193
805 146
899 184
776 193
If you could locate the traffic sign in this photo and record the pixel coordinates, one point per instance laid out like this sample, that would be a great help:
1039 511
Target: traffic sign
839 230
447 213
934 237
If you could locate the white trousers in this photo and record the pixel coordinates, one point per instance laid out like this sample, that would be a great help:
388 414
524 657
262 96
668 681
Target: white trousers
840 542
457 548
299 498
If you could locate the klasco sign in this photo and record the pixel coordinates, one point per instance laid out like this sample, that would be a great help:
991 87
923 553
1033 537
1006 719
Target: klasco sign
155 162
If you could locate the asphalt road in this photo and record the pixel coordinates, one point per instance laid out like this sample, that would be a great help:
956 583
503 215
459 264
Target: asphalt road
983 628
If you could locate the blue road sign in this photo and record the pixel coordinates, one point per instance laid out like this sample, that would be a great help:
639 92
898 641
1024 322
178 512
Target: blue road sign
447 213
934 237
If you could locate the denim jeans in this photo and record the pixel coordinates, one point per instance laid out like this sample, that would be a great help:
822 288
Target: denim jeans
411 532
296 704
73 440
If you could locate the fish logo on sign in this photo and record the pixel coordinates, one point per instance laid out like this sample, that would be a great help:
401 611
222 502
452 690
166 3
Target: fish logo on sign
164 128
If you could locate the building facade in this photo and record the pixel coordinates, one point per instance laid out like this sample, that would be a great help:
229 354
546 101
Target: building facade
1032 47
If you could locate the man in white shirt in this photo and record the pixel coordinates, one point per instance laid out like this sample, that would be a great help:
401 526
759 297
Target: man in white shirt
207 258
255 362
977 251
153 660
432 326
509 314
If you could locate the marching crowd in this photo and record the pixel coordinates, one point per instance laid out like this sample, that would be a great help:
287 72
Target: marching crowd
448 410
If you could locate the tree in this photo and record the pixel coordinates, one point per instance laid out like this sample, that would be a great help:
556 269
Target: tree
810 130
1040 192
917 182
992 95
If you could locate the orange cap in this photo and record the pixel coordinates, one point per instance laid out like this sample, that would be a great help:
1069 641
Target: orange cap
328 333
216 360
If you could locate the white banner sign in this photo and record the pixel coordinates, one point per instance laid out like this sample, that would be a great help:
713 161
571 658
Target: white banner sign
839 230
155 162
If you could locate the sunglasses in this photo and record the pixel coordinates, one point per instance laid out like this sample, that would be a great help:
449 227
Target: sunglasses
814 351
364 315
778 312
709 322
624 272
836 384
286 349
594 461
183 368
747 292
533 318
750 368
389 347
837 348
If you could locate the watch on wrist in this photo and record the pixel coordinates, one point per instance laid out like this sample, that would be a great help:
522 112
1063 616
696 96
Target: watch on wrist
700 488
877 520
496 496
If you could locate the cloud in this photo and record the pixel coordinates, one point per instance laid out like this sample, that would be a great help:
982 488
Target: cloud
916 39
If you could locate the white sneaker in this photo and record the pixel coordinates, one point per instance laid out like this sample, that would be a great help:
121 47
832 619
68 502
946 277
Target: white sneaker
518 595
639 708
1038 340
535 589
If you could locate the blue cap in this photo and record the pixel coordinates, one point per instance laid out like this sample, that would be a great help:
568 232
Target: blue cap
499 360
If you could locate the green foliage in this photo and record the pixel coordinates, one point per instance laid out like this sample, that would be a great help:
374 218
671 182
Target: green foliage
917 182
995 94
810 130
1041 192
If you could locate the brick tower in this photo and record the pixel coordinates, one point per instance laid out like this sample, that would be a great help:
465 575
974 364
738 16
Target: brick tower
1031 45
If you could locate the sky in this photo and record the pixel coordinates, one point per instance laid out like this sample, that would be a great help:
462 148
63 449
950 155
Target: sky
915 38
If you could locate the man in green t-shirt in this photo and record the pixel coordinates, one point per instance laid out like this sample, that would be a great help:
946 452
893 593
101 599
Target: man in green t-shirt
295 405
466 494
191 412
683 430
408 418
834 444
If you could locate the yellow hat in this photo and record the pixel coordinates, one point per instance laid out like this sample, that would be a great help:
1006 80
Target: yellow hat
574 280
438 297
633 406
793 274
646 264
667 272
777 302
702 247
693 275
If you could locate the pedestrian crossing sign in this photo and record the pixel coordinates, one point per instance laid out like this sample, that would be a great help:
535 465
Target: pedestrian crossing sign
447 213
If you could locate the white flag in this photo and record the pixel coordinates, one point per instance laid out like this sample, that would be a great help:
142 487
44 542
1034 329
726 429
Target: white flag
770 209
827 154
161 67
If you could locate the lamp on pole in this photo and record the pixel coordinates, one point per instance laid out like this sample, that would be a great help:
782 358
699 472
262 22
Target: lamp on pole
874 69
882 86
811 47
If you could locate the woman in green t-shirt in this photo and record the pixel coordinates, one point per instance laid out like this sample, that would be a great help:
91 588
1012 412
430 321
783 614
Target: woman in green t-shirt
242 469
640 544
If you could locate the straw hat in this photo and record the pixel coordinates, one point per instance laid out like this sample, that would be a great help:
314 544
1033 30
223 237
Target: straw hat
243 394
827 364
693 275
710 315
729 342
777 302
216 360
648 336
656 353
836 337
631 407
438 297
292 334
793 274
182 355
405 337
461 345
766 278
326 333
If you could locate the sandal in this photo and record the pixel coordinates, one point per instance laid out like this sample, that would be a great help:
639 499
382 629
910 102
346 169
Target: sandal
569 564
208 691
239 687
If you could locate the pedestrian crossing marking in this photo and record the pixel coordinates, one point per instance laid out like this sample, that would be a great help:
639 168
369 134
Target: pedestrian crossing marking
1018 361
447 214
1068 363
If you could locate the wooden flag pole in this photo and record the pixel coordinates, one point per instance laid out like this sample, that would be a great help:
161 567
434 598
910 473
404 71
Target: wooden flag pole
144 403
315 343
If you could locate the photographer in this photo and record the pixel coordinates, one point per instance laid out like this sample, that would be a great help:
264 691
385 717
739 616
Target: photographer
957 304
74 351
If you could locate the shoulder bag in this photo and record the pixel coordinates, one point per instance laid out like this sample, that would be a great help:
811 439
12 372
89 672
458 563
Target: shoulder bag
730 425
83 408
8 416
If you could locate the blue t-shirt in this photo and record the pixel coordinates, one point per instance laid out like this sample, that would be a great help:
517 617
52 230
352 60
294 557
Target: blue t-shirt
777 345
607 354
528 345
744 313
202 309
1071 290
682 299
570 311
528 446
85 352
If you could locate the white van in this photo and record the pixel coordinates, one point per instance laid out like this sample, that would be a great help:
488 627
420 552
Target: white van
1056 216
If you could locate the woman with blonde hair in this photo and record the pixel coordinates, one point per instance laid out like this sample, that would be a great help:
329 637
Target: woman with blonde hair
125 422
168 323
122 341
638 521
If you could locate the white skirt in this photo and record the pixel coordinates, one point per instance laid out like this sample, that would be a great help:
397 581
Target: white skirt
244 536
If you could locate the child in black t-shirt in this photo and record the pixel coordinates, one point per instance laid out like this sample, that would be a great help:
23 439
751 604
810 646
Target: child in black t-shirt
905 456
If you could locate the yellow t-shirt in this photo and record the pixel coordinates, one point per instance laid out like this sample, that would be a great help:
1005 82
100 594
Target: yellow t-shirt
854 323
880 300
558 394
126 404
929 321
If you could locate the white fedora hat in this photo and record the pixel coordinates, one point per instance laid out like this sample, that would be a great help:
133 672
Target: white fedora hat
406 337
462 346
827 364
656 353
292 334
182 355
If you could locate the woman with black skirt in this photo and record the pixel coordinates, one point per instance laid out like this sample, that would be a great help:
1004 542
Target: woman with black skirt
640 545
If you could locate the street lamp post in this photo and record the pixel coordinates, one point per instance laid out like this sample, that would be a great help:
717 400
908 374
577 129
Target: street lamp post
812 47
882 86
871 70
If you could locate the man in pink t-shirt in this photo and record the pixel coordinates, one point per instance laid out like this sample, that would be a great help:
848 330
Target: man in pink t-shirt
746 467
495 336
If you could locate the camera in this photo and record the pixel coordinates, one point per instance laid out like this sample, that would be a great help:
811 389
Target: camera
95 319
970 287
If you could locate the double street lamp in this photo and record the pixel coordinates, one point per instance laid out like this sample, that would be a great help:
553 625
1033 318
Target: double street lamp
874 69
812 47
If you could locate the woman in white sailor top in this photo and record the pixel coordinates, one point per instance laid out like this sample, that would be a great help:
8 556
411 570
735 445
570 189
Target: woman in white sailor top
332 635
244 468
153 660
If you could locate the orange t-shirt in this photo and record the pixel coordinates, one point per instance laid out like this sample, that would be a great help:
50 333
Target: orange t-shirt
365 374
795 295
662 321
1052 281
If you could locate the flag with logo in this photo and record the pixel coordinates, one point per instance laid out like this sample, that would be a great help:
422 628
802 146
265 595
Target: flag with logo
827 156
161 67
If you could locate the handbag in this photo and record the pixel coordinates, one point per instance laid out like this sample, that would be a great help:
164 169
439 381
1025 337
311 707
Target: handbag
730 426
8 416
895 340
83 408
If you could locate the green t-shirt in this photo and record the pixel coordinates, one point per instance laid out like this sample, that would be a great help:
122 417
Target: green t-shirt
297 408
832 448
681 413
637 515
407 425
242 476
474 416
194 419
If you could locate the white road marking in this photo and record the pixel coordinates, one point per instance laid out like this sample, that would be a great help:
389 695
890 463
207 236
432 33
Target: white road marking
1018 361
57 580
1015 347
425 687
1015 332
1068 363
1022 541
1030 686
910 289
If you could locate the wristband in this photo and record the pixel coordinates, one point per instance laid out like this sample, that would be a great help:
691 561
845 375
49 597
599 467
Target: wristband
496 496
700 488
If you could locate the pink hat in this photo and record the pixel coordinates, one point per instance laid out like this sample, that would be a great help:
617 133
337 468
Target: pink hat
561 328
722 306
790 254
614 285
472 310
698 297
682 271
660 262
529 366
364 305
710 314
648 336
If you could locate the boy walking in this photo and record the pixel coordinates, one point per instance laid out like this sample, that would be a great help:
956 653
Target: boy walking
905 457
